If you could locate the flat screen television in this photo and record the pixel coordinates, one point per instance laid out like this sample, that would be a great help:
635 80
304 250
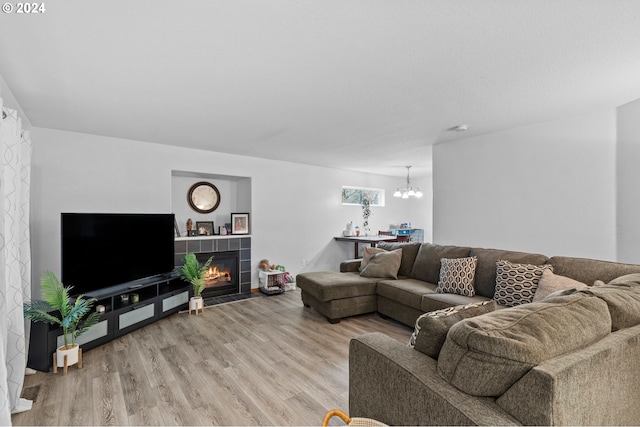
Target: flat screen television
100 250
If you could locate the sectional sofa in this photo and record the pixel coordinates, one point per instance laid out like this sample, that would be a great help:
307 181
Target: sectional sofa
486 357
337 295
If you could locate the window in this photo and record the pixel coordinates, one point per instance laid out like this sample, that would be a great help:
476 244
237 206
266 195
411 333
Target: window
356 195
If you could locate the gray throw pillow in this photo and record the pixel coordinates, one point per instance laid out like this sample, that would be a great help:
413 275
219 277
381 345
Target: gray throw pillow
551 283
384 265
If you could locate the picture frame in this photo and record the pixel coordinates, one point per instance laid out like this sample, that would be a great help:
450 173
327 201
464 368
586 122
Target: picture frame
239 223
204 228
175 227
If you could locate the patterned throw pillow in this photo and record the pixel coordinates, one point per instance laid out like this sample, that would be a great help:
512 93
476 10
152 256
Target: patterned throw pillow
457 276
517 283
432 328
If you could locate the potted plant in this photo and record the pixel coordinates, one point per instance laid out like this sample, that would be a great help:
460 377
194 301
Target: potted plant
58 308
194 272
366 212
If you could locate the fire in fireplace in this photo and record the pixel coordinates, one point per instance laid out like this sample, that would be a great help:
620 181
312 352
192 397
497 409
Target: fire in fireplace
214 276
222 277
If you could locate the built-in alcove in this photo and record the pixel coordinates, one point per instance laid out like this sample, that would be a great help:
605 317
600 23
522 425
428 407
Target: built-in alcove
235 197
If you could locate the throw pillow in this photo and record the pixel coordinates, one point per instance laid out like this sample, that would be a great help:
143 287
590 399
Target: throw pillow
431 328
457 276
367 253
550 283
384 264
517 283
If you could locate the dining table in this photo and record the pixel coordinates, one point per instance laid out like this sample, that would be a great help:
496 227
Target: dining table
371 240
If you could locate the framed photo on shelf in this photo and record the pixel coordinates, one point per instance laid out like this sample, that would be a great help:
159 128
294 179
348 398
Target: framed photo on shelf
239 223
205 228
175 227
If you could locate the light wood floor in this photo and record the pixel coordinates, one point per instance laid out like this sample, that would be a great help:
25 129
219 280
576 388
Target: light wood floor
261 361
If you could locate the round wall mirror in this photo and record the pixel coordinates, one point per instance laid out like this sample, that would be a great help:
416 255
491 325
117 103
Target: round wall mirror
203 197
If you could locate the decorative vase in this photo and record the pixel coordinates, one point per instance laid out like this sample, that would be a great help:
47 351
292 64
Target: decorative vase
67 356
196 303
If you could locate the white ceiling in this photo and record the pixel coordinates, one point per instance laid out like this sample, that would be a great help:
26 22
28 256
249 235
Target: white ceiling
364 85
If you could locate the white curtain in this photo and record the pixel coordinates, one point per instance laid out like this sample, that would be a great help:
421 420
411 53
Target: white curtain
15 260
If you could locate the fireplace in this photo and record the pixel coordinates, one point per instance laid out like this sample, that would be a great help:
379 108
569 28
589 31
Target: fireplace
222 276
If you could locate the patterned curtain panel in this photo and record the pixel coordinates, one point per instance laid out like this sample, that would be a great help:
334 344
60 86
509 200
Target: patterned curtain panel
15 260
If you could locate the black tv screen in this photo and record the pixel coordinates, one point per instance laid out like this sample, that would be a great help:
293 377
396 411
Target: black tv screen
100 250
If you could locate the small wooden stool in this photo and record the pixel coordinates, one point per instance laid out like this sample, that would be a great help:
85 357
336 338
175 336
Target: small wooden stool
55 362
196 309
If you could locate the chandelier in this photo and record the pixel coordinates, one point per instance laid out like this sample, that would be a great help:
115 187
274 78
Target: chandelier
408 191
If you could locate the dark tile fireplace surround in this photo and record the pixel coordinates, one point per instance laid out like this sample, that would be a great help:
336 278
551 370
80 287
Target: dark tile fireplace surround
227 250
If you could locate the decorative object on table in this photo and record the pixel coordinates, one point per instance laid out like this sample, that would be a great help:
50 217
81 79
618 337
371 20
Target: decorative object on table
222 231
348 232
205 228
135 298
357 230
100 309
57 308
192 233
263 264
408 191
227 226
239 223
124 298
203 197
189 226
193 271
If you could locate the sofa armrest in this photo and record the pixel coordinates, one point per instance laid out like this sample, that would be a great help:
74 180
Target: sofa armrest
393 383
350 265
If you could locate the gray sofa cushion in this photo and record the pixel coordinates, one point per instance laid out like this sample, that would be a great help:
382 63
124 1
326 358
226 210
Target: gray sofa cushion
484 356
589 270
486 269
330 285
427 264
409 252
405 291
431 328
622 296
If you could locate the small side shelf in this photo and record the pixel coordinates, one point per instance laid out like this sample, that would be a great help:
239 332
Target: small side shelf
127 307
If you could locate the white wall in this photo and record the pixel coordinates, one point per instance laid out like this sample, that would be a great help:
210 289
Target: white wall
296 209
547 188
628 212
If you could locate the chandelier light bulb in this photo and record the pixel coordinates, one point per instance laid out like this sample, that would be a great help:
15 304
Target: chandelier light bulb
397 193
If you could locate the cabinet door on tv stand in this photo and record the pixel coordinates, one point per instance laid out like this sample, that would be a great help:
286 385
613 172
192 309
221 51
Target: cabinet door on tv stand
135 317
